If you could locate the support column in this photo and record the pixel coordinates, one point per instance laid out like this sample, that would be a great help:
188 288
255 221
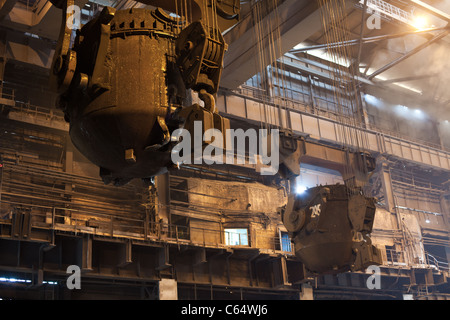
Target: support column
2 54
307 292
387 188
445 209
447 253
443 133
312 95
162 199
279 270
163 258
68 168
125 253
84 259
364 113
8 104
68 159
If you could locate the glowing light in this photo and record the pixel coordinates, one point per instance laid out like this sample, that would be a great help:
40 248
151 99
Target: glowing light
13 280
300 189
381 78
401 110
420 22
419 114
374 101
370 99
325 55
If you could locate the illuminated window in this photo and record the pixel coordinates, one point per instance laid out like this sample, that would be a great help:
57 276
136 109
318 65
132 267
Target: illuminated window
285 242
236 237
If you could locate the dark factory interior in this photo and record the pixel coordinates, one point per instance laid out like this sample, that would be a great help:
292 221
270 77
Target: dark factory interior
224 150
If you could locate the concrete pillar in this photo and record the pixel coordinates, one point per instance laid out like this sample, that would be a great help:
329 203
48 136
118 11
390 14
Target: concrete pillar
167 289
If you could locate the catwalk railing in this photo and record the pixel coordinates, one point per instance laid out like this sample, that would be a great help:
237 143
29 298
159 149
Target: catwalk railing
55 200
79 221
438 264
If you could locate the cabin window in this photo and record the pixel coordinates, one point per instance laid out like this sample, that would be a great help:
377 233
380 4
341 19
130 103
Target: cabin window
236 237
285 242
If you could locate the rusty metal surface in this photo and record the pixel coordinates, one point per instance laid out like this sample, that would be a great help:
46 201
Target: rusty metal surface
200 51
125 80
330 226
127 104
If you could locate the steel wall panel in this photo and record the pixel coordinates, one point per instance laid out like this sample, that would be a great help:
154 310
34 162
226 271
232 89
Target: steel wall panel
253 110
372 142
236 106
322 129
311 126
296 121
426 158
327 130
